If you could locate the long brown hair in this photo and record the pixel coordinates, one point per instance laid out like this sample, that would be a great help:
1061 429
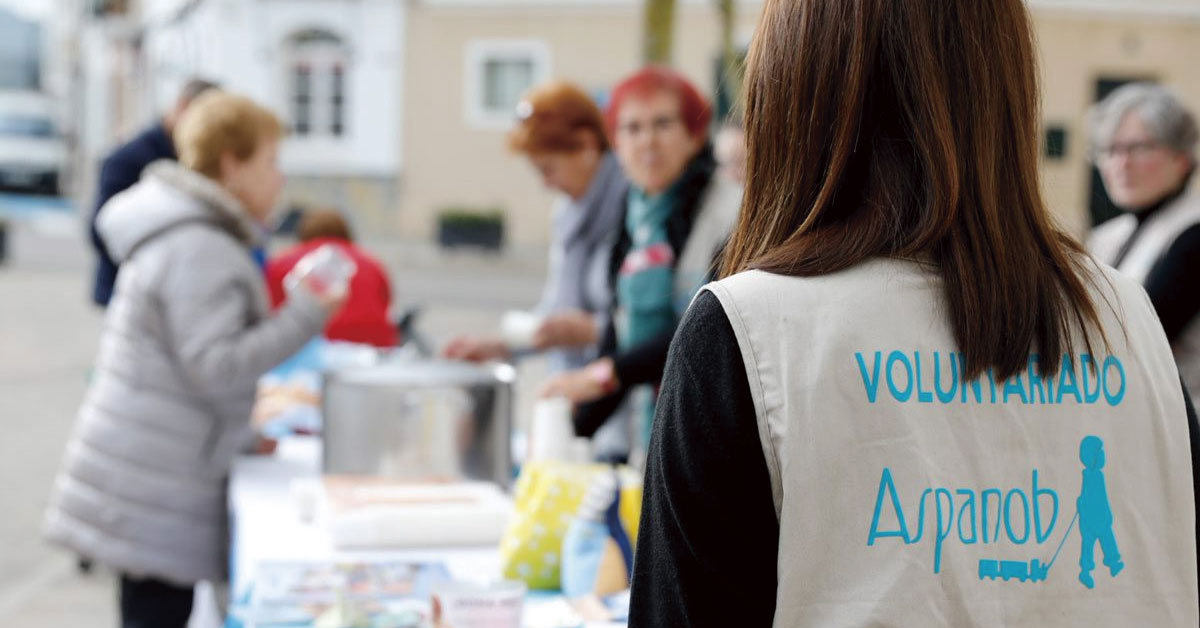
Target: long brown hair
910 128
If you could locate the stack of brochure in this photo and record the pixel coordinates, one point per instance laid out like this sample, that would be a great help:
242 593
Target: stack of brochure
361 594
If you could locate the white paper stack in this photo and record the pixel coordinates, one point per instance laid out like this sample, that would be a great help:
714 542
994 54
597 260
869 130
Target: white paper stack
372 514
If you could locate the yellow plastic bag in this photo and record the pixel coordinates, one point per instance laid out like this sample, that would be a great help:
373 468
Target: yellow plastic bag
547 496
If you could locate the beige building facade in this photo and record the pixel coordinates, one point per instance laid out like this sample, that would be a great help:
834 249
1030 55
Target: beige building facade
1086 50
456 154
466 58
409 100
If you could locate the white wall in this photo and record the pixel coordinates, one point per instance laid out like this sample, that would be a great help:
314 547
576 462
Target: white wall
241 43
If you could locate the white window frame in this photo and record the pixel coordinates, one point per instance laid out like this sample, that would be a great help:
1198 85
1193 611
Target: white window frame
478 54
321 58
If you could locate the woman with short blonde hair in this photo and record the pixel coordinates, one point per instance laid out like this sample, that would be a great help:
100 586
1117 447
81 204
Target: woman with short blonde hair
221 124
142 486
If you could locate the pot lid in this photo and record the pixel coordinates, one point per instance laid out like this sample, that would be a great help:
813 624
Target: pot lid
424 373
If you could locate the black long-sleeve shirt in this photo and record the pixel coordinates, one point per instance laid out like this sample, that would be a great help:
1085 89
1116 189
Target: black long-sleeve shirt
643 364
709 540
1168 281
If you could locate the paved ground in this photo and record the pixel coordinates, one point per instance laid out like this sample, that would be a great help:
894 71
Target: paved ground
48 337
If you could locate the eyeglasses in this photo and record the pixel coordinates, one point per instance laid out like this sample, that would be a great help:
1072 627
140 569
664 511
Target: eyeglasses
658 126
1132 150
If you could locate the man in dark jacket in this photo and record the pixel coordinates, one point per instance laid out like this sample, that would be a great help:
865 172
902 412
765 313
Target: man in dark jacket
123 167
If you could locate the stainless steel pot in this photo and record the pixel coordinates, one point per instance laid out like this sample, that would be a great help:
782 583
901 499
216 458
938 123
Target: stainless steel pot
420 420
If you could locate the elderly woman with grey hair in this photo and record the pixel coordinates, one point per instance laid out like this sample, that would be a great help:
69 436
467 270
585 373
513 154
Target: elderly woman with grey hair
1144 143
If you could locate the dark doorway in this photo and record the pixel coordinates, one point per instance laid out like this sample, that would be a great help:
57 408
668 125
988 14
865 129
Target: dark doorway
1099 205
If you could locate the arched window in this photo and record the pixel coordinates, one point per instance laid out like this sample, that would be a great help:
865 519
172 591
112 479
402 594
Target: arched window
317 66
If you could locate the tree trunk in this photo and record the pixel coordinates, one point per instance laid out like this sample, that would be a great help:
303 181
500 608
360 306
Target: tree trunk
658 26
731 65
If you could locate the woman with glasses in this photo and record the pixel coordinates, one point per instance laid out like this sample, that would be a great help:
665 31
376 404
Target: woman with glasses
911 400
677 215
1145 147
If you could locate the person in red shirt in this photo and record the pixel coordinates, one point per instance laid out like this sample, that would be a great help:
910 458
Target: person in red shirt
364 317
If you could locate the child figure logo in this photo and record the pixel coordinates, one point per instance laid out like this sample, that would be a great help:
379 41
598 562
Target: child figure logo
1095 518
1095 514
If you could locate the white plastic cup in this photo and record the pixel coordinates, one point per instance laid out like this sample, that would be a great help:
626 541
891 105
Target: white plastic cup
552 432
469 605
306 495
518 328
325 271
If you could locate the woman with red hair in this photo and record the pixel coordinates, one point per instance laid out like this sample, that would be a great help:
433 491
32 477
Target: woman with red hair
562 133
677 217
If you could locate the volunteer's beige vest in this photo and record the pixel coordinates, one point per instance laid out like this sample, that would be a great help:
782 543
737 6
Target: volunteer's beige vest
1157 236
908 498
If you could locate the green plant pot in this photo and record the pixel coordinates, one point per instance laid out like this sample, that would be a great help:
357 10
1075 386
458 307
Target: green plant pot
460 227
486 236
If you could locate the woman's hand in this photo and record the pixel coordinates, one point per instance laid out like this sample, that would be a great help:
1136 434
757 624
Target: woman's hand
574 328
584 385
476 349
333 302
264 446
330 300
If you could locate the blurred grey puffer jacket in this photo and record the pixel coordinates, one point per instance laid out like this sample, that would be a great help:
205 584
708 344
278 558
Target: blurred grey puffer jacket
188 333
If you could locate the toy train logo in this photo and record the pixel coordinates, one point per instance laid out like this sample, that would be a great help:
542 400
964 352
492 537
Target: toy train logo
1033 571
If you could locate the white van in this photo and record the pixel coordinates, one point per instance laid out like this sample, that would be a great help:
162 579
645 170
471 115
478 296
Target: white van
33 153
